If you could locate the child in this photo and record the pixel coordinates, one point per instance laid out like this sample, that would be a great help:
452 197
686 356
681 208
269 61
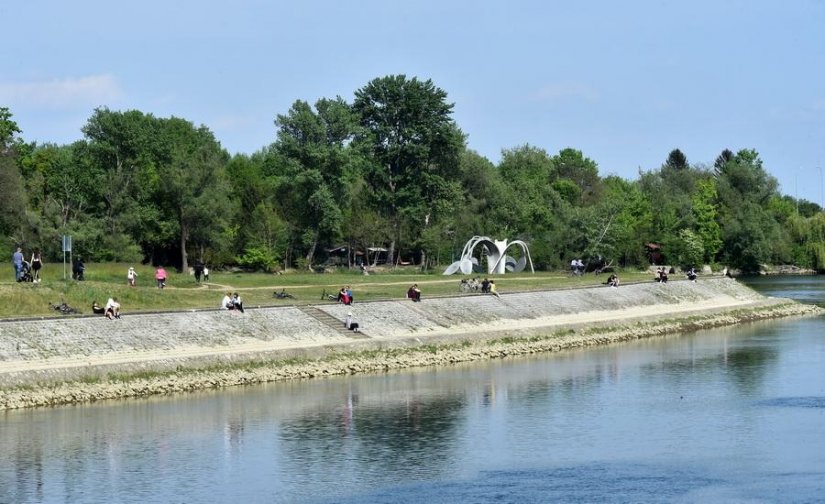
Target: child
131 275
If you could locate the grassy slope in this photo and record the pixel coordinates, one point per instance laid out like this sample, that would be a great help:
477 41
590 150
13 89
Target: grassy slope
182 292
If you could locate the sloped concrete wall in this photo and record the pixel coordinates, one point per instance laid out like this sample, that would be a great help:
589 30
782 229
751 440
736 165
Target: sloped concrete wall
60 348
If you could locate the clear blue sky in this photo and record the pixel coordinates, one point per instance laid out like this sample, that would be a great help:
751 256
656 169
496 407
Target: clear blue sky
624 82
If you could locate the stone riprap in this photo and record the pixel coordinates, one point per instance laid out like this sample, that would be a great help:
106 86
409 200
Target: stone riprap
82 348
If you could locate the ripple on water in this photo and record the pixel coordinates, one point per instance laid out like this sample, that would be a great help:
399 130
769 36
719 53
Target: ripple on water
794 402
588 483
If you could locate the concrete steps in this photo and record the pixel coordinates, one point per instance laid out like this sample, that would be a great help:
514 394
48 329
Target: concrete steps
331 322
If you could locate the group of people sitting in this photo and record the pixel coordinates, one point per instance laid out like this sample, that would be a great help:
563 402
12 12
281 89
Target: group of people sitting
489 287
232 302
661 275
345 295
662 272
612 280
486 286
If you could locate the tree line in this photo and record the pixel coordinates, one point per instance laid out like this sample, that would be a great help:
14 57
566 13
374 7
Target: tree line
388 170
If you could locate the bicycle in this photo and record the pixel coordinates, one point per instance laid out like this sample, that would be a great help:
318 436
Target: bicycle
328 297
64 308
282 295
466 286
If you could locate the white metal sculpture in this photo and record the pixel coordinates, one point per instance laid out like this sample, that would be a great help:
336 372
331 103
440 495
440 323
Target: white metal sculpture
497 259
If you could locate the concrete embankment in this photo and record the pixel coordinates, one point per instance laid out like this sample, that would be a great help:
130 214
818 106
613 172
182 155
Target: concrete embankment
58 361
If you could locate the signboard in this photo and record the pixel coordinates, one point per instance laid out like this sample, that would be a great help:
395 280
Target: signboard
67 243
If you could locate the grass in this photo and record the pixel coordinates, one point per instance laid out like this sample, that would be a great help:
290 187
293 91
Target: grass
106 280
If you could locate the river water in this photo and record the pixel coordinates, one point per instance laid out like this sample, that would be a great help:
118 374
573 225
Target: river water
728 415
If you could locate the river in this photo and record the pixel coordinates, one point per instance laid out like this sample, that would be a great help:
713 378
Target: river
726 415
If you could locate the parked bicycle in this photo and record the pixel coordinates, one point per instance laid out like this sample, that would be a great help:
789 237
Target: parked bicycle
282 295
471 285
64 308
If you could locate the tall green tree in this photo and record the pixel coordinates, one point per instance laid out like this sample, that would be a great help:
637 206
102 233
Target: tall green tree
12 193
124 147
529 172
9 131
677 160
706 216
414 147
192 185
320 169
750 232
571 165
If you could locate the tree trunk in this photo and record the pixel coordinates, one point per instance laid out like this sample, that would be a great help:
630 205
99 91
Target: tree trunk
311 252
184 232
391 253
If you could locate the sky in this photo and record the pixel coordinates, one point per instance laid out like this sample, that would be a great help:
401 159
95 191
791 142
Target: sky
623 82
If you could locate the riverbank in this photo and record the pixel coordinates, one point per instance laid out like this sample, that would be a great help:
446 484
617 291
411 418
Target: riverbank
49 362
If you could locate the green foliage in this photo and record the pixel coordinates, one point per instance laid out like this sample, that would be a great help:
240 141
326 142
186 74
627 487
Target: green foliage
689 249
706 216
8 131
571 165
388 171
414 147
258 258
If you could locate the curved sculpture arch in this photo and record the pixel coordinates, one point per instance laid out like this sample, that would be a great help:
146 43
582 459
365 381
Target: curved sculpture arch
497 259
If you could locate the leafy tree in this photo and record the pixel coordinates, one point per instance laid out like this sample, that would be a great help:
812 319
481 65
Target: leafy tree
529 172
12 193
743 178
253 184
414 148
706 215
8 131
571 165
121 145
689 249
13 200
748 234
192 187
632 224
319 168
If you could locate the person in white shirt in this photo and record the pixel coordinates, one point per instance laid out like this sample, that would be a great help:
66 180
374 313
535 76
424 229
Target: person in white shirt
226 303
131 276
237 302
112 310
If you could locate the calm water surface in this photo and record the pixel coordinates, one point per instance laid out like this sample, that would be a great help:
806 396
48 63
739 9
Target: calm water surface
732 415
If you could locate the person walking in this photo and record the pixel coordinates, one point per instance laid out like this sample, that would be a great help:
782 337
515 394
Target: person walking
131 276
160 276
198 271
17 261
36 264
